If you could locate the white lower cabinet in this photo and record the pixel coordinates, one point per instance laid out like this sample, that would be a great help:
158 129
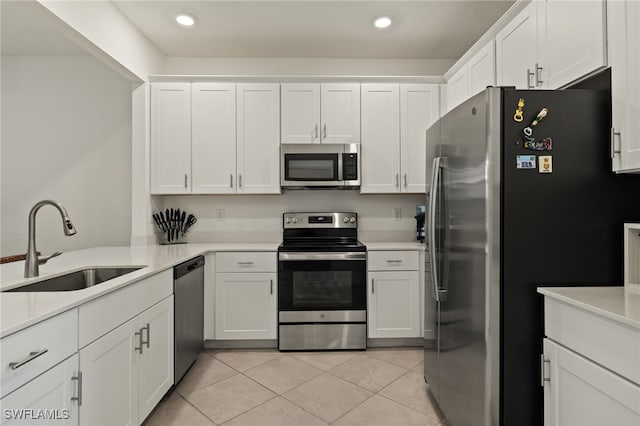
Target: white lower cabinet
393 287
246 305
49 399
246 301
126 372
578 391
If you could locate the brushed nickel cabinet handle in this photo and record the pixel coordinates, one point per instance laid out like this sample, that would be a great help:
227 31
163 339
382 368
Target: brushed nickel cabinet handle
78 379
316 137
185 180
148 341
405 180
614 151
239 181
324 130
529 75
31 357
538 74
139 334
245 263
397 180
271 287
231 180
373 286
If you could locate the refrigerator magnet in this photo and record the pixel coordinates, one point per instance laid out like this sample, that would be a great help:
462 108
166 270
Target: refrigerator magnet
517 117
525 161
545 144
545 164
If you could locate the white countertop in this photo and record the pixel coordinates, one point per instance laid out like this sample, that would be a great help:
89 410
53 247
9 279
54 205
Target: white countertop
21 309
617 303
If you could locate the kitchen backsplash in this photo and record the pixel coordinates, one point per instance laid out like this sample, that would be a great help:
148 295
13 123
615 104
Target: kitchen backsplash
258 218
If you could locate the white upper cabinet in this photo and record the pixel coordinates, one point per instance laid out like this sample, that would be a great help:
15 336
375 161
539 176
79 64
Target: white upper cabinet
394 122
214 138
624 58
340 113
551 43
517 50
320 113
300 113
170 138
380 138
457 88
474 76
419 109
258 138
571 40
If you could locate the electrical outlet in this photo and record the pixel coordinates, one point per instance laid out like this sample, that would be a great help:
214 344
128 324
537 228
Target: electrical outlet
397 214
220 215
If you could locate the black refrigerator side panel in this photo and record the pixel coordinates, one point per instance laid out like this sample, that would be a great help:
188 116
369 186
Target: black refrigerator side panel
562 228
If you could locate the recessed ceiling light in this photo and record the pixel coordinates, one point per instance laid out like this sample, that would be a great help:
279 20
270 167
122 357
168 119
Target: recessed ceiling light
382 22
185 19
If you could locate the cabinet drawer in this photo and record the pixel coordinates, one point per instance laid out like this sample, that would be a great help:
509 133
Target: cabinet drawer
58 336
102 315
246 262
392 260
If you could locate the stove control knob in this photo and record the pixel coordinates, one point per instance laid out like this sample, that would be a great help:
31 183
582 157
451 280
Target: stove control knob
287 220
353 219
294 220
345 220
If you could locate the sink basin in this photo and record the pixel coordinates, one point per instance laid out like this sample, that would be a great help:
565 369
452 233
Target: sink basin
77 280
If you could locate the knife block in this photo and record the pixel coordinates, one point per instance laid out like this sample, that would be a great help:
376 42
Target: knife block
164 241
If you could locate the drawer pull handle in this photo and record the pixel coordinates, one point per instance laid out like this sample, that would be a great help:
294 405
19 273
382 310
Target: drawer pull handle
394 261
245 263
31 357
373 286
79 397
271 287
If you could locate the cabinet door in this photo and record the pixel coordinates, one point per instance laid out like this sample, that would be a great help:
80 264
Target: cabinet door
109 379
578 391
155 364
419 109
258 138
213 160
482 69
170 138
394 304
624 58
50 392
457 88
571 40
340 113
380 138
300 113
246 306
516 50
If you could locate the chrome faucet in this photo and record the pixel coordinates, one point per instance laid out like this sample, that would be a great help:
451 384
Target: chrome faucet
33 261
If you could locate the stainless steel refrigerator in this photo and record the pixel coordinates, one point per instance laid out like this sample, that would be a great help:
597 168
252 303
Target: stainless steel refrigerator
505 215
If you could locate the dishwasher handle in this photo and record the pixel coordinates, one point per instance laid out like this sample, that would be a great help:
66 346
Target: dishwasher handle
187 267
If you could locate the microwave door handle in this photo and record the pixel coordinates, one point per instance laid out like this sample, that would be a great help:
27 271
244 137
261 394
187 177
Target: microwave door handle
340 167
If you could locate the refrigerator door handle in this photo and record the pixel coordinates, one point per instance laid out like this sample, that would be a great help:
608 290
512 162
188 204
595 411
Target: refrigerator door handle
431 226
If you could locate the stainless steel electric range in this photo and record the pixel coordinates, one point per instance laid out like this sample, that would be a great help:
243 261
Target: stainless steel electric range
322 272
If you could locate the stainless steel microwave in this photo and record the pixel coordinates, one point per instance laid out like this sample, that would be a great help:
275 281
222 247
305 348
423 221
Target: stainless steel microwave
320 166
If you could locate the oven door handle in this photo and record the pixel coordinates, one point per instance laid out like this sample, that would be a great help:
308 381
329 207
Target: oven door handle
322 256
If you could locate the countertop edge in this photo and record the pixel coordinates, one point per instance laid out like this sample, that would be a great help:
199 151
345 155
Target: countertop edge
553 293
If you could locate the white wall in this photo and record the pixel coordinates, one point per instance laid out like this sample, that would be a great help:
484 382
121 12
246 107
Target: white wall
258 218
66 135
308 66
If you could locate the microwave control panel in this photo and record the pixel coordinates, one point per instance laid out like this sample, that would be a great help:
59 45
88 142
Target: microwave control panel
349 166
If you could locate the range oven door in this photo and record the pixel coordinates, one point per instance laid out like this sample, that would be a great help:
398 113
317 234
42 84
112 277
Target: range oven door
322 281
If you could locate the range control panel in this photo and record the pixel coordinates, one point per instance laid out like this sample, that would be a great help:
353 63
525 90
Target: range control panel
320 220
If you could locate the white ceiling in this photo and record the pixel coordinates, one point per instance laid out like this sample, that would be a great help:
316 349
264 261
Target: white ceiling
425 29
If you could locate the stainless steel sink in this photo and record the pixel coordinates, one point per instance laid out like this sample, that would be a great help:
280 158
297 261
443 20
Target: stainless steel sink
77 280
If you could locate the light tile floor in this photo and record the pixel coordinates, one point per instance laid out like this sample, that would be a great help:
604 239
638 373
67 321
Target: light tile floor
377 387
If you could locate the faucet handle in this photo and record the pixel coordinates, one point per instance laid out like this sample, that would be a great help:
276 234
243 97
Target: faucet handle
44 259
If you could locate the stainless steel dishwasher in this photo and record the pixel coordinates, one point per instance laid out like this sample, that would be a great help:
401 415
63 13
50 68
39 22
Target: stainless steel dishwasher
188 325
